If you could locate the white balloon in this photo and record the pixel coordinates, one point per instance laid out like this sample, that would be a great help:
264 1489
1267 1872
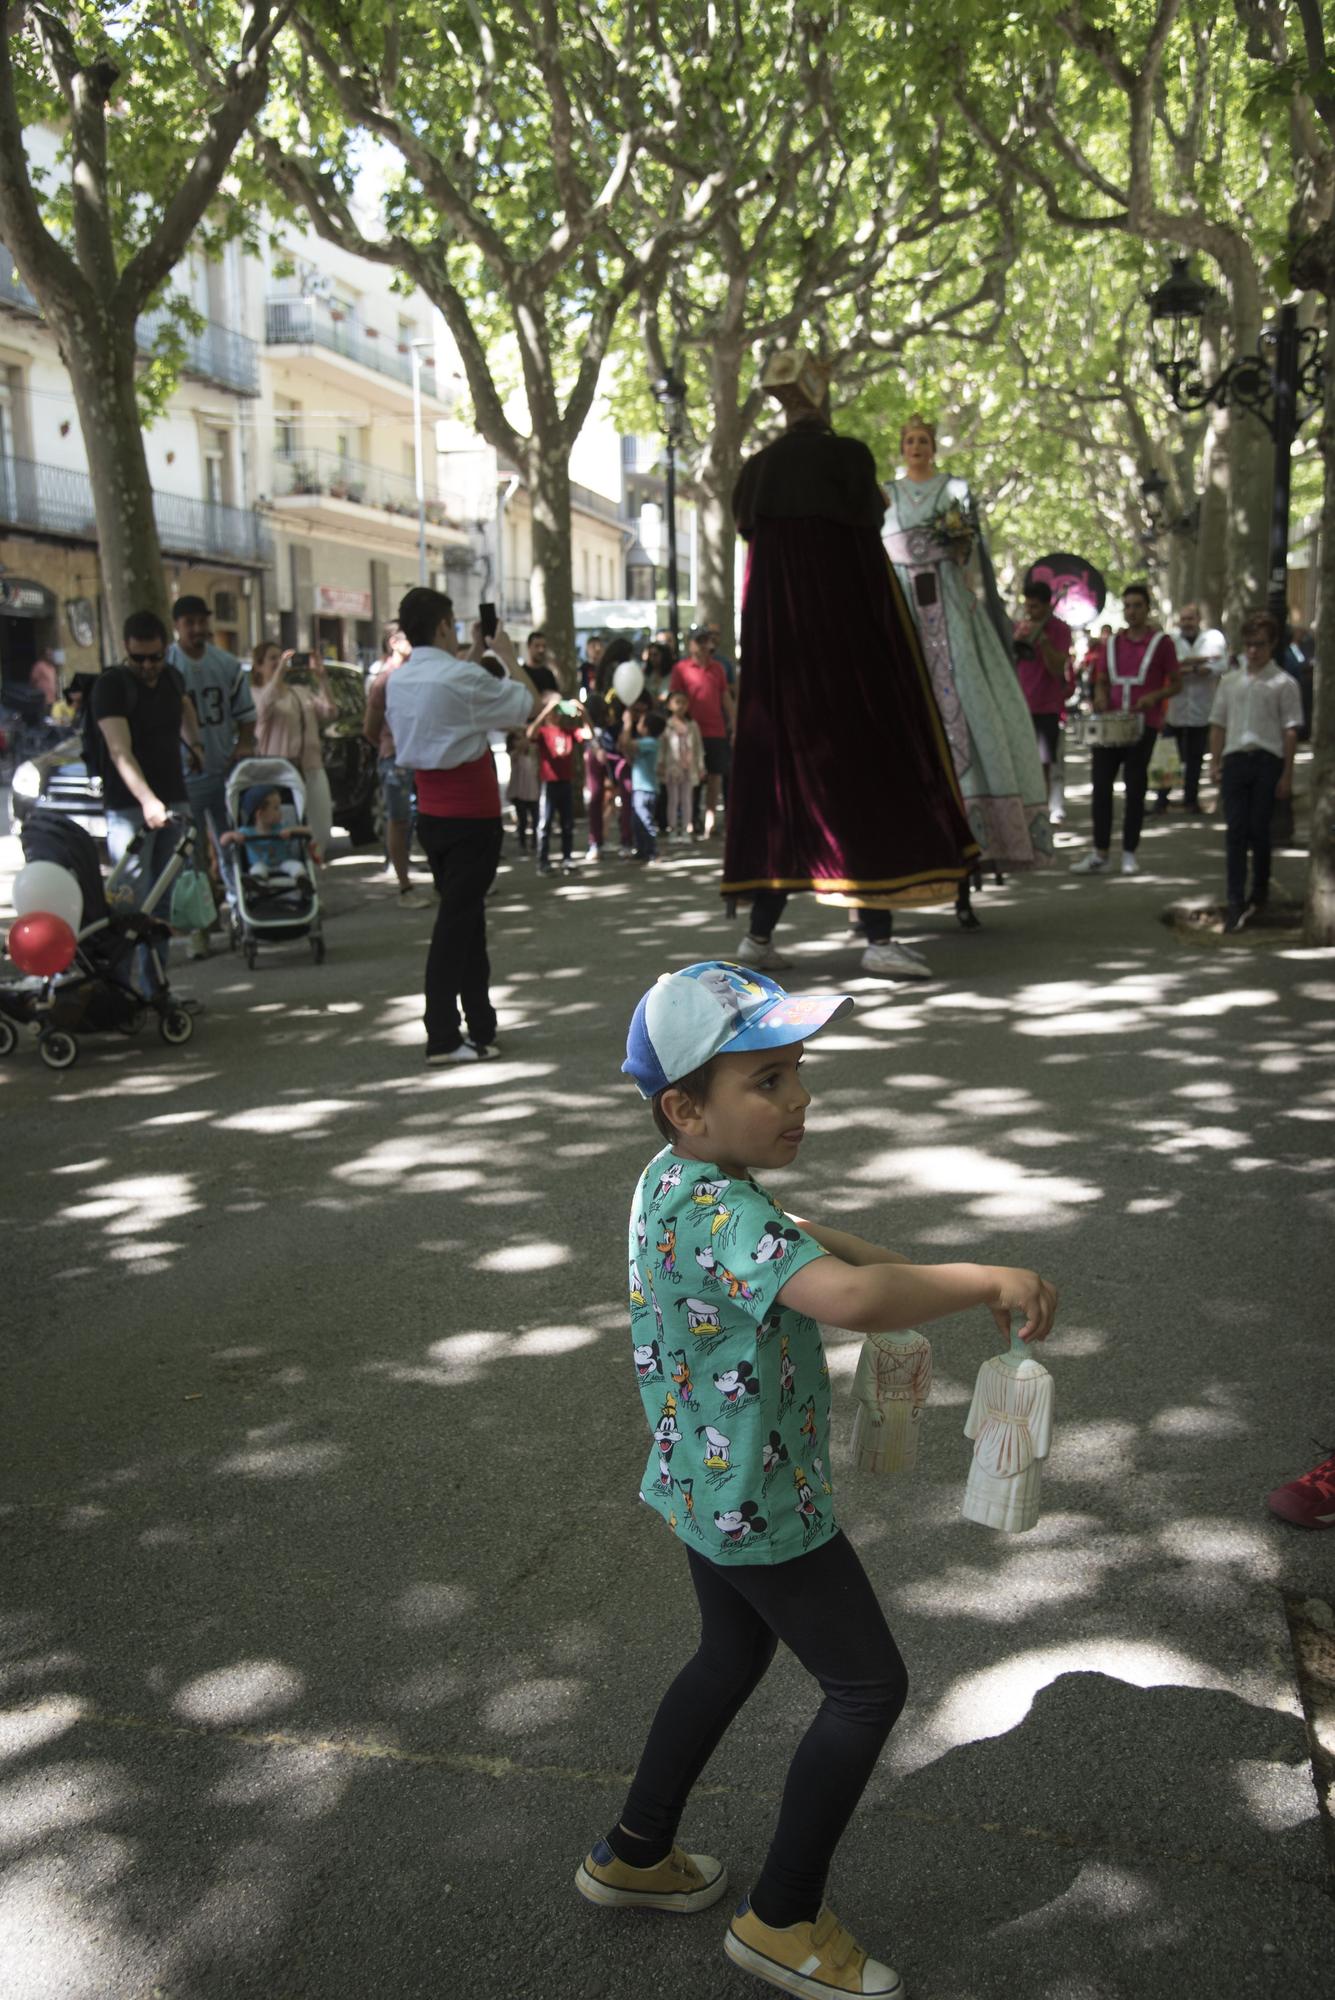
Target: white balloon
45 888
628 681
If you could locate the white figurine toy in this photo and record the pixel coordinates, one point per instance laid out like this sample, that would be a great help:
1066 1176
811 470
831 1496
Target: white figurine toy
892 1383
1010 1422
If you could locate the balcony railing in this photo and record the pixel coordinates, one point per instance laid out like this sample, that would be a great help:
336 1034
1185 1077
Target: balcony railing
214 354
641 454
339 478
55 500
303 323
13 292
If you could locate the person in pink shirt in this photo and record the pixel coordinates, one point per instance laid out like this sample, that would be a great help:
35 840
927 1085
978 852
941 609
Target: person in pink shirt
704 683
1135 675
1043 669
288 720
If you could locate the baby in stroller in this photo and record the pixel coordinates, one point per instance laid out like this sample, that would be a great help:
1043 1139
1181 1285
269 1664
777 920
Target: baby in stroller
264 839
268 859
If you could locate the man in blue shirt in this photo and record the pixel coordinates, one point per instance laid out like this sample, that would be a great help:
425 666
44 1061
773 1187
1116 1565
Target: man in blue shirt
219 690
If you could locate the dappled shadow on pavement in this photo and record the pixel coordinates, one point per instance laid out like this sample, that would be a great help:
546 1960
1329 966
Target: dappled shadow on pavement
331 1624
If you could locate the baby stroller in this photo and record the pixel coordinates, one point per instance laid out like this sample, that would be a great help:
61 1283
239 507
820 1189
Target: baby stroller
95 994
269 905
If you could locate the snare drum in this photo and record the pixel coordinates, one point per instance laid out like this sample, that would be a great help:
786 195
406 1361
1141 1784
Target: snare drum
1113 730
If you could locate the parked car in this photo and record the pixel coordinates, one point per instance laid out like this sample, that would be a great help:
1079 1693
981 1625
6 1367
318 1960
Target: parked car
59 778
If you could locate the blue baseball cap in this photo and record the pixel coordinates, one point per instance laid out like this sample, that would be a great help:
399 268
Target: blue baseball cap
714 1009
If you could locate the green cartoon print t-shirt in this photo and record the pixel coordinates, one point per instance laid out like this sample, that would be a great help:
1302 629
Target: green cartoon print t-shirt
735 1387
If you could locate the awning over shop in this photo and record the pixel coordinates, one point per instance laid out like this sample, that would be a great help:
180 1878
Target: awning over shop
21 598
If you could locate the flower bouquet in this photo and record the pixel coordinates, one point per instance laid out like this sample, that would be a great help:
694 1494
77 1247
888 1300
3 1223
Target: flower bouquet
955 524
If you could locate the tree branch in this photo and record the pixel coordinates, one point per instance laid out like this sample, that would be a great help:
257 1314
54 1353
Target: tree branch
246 85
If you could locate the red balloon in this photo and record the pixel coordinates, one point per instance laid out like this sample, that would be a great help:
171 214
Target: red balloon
41 944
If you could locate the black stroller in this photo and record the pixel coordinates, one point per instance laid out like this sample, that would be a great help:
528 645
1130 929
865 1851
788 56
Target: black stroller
95 994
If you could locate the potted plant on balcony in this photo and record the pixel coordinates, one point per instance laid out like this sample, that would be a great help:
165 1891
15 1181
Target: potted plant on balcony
354 493
304 480
338 487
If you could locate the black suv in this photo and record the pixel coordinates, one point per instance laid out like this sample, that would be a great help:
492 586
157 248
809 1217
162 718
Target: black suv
59 778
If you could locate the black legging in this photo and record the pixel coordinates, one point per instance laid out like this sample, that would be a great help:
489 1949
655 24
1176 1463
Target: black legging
825 1611
768 906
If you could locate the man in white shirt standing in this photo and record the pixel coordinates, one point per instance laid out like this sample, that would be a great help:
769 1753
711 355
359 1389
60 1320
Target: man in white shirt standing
441 710
1202 659
1254 725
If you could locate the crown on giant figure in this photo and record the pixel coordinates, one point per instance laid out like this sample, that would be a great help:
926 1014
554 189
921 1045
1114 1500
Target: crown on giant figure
797 369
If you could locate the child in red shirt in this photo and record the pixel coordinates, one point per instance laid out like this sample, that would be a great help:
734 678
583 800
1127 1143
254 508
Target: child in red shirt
556 735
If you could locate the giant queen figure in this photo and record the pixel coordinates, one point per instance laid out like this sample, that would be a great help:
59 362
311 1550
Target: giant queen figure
842 779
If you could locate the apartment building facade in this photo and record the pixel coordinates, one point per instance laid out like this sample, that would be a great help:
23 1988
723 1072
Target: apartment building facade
284 470
283 467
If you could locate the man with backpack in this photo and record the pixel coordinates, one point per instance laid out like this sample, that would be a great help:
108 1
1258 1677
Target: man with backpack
137 720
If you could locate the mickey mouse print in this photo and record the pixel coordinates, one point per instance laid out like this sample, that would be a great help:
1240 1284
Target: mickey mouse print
708 1257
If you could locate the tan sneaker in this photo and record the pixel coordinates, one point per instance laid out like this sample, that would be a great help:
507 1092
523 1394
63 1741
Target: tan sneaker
681 1882
816 1960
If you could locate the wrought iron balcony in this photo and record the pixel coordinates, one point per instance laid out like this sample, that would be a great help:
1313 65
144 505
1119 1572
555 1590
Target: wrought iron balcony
642 454
55 500
311 474
13 292
308 323
214 353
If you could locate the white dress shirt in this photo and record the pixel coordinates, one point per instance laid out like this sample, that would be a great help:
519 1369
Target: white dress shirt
441 709
1254 710
1191 709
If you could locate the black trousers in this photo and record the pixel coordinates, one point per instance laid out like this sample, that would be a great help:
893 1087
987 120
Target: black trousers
1048 735
462 854
1247 781
558 802
1133 760
768 906
526 821
825 1611
1191 739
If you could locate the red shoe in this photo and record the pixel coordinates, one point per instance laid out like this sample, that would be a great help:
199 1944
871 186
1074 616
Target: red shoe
1308 1502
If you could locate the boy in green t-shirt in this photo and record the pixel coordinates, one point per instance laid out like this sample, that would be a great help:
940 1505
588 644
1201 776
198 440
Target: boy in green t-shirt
725 1292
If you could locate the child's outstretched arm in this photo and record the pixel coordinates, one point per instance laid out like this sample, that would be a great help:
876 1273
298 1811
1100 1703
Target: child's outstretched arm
888 1297
851 1249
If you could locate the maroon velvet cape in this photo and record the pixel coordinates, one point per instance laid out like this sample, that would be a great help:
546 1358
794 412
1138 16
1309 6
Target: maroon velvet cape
842 780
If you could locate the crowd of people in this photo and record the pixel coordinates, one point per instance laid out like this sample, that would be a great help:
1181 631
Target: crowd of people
942 758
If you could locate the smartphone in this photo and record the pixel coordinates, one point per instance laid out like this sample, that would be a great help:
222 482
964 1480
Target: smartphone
486 614
301 659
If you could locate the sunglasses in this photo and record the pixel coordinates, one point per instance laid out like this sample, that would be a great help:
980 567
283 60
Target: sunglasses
146 659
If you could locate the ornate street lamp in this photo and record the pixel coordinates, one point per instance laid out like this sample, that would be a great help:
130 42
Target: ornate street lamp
670 394
1280 385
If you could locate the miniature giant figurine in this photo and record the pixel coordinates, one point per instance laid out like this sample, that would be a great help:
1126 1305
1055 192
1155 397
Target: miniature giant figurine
893 1381
842 780
1010 1422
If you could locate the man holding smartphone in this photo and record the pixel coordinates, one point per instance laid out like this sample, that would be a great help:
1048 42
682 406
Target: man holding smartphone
441 710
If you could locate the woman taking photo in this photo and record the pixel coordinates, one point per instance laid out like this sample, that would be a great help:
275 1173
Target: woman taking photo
288 722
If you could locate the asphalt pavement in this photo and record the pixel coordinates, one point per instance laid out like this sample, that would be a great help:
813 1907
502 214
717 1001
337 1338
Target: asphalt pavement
330 1625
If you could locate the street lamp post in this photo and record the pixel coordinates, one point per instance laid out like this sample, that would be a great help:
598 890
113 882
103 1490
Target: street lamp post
419 456
1280 384
670 393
